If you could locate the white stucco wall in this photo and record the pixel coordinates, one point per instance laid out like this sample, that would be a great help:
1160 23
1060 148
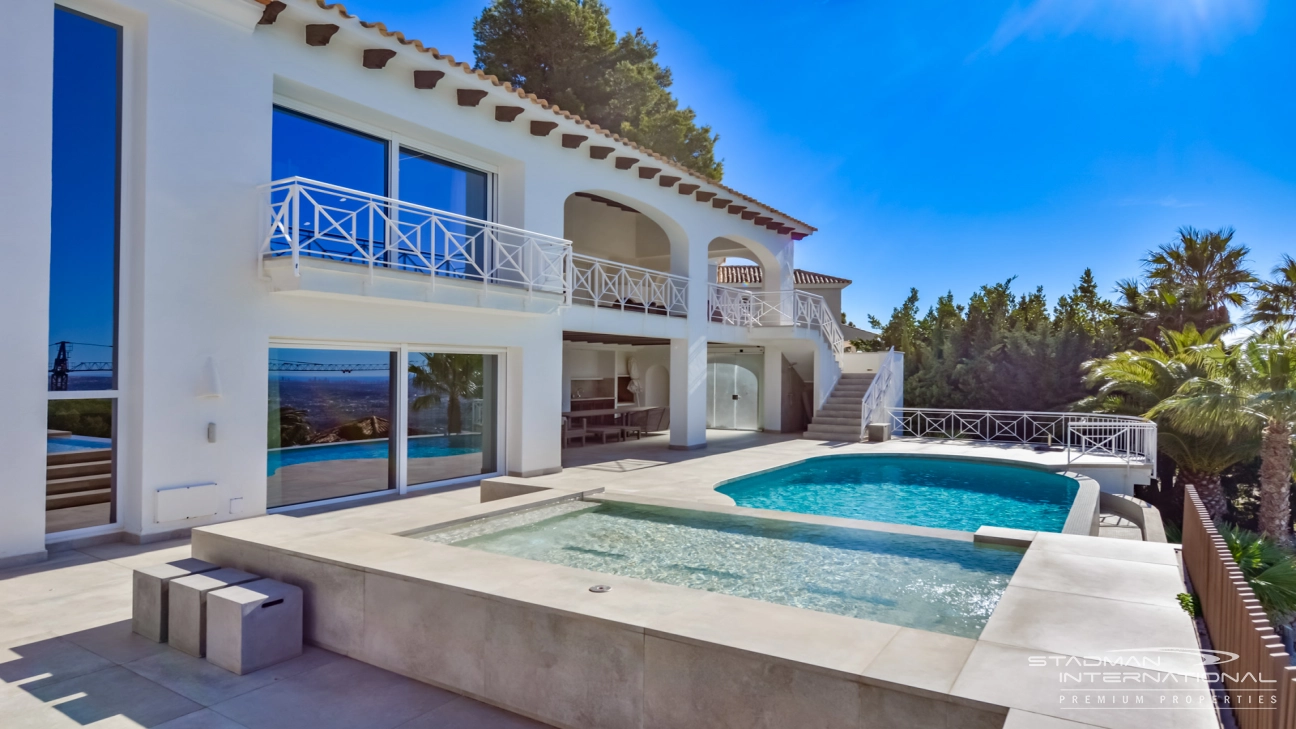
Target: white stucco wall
26 88
202 80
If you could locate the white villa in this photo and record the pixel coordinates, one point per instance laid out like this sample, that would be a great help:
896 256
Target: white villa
272 208
315 316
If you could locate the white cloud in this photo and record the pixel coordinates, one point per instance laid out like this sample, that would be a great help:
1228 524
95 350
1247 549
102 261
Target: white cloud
1184 30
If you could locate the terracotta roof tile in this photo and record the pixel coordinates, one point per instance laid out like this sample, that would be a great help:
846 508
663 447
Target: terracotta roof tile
467 69
755 275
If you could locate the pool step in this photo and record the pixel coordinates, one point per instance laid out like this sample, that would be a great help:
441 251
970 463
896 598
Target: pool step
68 457
88 468
78 483
80 498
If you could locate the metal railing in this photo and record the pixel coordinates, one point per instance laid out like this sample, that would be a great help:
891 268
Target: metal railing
1257 674
602 283
749 308
1130 439
318 220
874 399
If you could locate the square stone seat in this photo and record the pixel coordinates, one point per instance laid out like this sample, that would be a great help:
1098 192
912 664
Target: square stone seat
149 604
253 625
187 629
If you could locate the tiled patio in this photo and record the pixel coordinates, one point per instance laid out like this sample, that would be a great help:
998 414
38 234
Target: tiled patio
68 659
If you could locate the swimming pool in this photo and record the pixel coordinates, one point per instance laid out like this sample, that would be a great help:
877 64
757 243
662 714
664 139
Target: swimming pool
420 446
944 585
72 443
932 492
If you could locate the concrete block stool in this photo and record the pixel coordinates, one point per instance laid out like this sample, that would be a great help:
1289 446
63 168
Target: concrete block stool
254 625
149 609
187 628
878 432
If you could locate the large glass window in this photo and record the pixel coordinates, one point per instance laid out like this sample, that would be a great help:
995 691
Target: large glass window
458 247
333 224
453 404
329 424
84 221
80 480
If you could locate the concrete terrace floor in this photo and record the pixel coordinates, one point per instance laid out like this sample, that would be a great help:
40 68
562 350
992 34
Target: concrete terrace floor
68 659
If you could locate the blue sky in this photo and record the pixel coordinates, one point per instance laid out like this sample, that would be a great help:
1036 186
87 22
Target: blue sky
944 145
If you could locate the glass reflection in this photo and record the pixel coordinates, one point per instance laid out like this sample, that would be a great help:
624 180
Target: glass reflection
452 416
329 428
79 482
458 247
83 224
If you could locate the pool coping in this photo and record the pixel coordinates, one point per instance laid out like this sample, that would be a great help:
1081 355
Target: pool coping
1082 518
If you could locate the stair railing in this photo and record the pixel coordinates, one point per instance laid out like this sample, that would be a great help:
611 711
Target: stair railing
874 396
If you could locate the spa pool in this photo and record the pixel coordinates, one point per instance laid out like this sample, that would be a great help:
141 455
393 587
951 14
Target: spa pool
943 585
945 493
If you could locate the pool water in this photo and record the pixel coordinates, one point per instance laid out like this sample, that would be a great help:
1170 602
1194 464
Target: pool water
72 443
420 446
933 492
943 585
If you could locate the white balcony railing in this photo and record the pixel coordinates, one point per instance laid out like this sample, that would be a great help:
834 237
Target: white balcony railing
749 308
608 284
881 393
1130 439
318 220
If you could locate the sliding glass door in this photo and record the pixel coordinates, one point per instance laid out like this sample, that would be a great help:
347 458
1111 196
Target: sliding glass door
329 424
452 405
346 422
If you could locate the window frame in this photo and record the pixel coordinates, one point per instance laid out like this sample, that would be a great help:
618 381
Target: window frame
126 198
395 141
399 441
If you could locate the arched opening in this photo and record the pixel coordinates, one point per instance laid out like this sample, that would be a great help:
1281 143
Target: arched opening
625 255
732 262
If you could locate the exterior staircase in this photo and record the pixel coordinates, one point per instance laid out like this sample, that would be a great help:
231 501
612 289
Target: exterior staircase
839 418
78 478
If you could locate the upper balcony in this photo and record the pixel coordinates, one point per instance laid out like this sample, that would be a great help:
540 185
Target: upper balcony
326 238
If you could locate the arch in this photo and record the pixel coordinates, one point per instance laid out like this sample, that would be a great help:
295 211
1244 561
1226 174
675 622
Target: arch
657 387
775 273
612 226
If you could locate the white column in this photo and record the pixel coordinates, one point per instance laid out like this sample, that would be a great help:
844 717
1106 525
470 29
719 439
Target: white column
27 54
534 402
688 396
772 391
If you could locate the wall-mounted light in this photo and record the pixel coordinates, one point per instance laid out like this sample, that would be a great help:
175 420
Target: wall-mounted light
210 386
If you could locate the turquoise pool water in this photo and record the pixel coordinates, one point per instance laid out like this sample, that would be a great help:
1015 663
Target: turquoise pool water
70 443
942 585
932 492
420 446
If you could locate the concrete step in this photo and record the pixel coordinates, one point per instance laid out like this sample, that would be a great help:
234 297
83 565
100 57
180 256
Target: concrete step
833 432
851 412
89 468
858 375
81 498
852 422
67 457
77 484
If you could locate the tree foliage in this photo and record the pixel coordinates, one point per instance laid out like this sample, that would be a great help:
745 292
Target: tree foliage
1001 350
566 51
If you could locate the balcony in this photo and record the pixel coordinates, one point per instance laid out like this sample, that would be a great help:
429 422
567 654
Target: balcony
315 221
750 309
611 285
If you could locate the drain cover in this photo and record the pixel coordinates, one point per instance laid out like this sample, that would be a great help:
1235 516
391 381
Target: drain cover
600 588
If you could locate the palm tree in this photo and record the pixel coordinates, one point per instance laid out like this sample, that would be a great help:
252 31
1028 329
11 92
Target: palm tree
1251 390
452 376
1202 268
1275 305
1137 382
